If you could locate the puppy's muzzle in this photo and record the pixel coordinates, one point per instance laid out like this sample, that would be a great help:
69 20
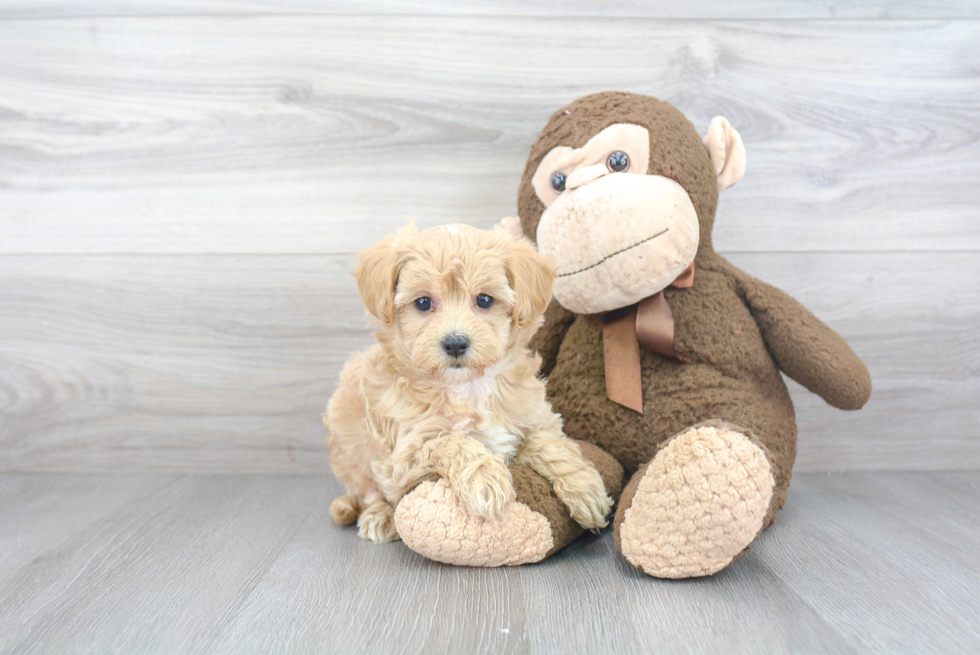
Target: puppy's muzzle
455 345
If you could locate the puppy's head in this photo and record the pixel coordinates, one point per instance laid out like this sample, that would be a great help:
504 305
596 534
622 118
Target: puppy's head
455 300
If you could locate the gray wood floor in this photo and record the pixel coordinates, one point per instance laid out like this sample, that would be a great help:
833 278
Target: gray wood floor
160 563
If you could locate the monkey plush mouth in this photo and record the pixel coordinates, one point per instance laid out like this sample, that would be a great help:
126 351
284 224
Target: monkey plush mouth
618 252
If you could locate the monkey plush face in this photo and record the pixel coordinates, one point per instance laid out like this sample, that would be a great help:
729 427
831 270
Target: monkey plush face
616 233
619 193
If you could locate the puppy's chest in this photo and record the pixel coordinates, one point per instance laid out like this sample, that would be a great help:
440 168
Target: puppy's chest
476 410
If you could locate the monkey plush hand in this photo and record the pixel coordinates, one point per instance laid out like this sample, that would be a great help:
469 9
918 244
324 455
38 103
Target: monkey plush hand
657 349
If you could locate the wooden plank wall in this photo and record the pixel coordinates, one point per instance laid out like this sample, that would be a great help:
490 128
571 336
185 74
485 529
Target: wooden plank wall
182 186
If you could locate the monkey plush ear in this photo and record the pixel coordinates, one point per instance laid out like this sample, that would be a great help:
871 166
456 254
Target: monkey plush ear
513 225
726 150
531 276
377 274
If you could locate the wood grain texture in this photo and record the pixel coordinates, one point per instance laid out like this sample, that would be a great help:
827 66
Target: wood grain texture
225 363
318 133
164 541
706 9
861 562
213 363
180 190
852 537
44 511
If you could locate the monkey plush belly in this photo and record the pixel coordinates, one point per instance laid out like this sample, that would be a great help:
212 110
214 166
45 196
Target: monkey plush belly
676 395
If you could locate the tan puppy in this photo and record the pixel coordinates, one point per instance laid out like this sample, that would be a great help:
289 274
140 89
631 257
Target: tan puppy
450 388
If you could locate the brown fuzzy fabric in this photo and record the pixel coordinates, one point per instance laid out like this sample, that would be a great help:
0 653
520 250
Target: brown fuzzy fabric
547 340
535 492
736 331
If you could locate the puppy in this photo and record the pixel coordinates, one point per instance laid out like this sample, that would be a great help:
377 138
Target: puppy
450 388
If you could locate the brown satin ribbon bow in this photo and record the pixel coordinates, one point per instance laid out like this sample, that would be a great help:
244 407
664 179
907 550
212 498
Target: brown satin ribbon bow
650 324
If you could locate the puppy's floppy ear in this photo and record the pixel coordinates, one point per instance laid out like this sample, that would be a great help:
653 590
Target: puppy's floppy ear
531 276
377 274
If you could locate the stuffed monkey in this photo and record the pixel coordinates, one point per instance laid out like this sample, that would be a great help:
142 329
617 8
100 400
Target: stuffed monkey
657 349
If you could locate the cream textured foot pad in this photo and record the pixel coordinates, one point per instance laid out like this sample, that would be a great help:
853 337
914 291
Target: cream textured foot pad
433 522
701 502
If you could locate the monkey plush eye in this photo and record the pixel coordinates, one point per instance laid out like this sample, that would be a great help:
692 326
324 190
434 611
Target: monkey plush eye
558 181
618 162
484 301
423 304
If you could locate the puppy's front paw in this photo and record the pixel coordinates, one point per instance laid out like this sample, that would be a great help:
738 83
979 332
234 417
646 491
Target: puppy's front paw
485 487
377 524
586 498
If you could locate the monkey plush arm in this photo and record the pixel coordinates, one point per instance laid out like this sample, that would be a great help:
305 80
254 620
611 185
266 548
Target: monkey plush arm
547 340
805 348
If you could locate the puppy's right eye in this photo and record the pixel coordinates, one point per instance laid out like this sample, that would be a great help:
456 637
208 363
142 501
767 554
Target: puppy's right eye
558 181
423 304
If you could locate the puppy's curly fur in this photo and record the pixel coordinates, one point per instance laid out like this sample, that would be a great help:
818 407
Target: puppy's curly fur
413 405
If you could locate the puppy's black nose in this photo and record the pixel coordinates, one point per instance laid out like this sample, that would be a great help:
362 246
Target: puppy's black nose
455 345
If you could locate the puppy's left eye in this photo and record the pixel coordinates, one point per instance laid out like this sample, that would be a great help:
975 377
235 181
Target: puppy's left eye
423 304
484 301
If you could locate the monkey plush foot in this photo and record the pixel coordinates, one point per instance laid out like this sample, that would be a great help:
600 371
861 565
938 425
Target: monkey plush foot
432 521
697 505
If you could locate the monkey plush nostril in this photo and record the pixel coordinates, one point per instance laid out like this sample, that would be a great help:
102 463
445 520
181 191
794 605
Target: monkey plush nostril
455 345
585 175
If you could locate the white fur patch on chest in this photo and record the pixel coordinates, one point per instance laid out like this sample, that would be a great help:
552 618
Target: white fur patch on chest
478 390
479 393
499 440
